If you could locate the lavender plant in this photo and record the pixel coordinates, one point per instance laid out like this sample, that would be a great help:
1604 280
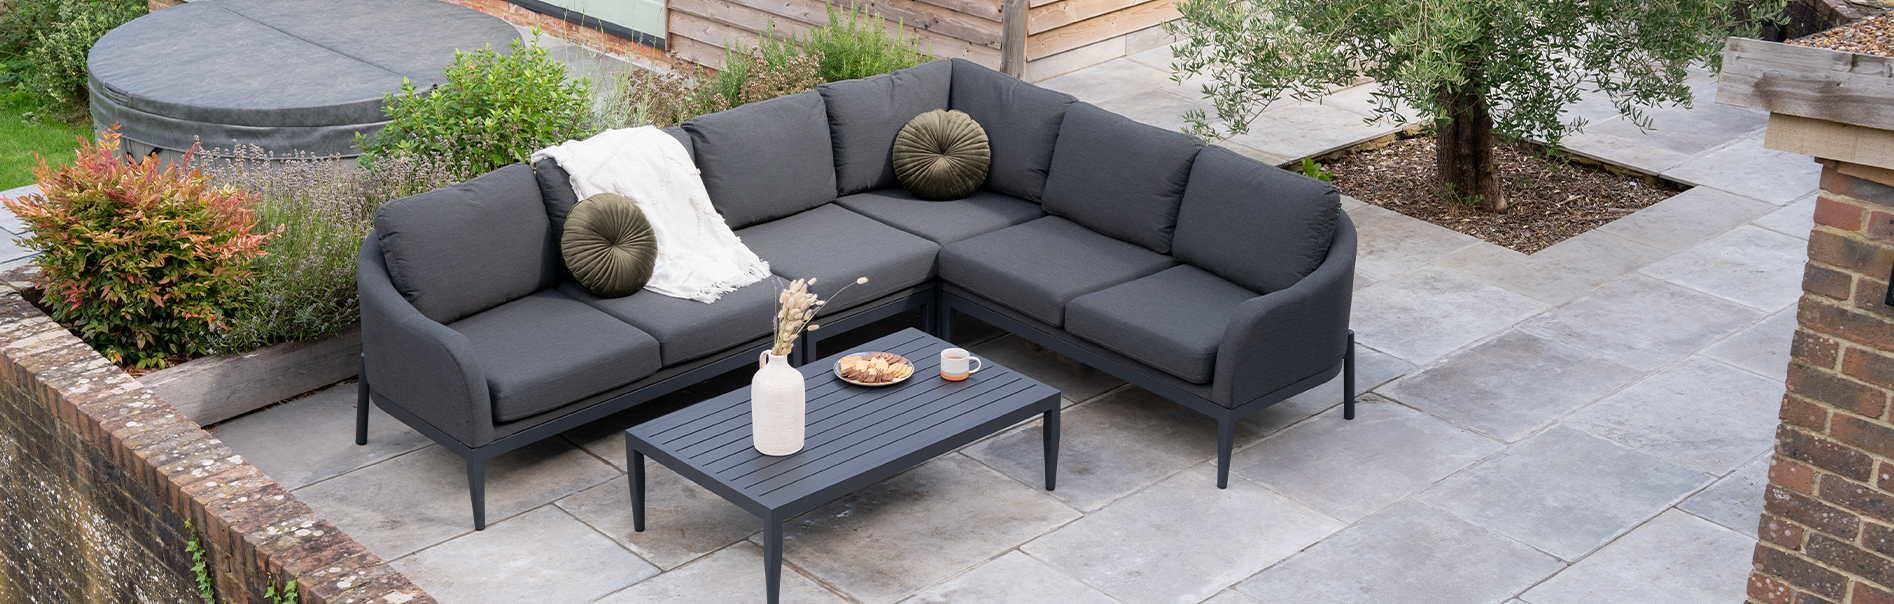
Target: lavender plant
319 210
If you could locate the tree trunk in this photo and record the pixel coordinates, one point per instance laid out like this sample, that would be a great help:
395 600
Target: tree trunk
1464 150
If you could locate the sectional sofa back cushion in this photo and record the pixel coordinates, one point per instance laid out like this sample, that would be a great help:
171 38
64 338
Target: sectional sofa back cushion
866 114
1021 122
766 160
555 184
1256 225
1119 177
457 251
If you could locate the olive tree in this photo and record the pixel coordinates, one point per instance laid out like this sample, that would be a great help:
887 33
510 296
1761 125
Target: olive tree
1476 68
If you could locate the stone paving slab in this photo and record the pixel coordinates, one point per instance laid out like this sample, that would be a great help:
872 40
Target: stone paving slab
1751 265
322 445
1565 492
1111 447
1014 578
1674 558
1642 322
1109 80
1350 469
1391 243
1557 274
1400 316
1795 220
897 537
733 574
1773 176
1762 348
1512 385
1704 126
1736 501
1706 415
1689 218
683 521
404 504
1183 540
543 555
1410 553
1294 129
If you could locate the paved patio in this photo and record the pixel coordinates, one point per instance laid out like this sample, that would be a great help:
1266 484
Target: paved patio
1591 423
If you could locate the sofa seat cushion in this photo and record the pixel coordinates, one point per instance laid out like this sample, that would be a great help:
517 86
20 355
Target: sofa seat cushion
943 222
765 160
462 249
1173 320
1118 176
835 246
1037 267
688 329
546 350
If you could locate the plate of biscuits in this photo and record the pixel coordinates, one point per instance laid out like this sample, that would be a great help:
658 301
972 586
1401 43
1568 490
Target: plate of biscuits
873 369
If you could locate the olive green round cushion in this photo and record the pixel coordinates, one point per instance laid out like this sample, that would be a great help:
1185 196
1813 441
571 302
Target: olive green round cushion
941 155
608 245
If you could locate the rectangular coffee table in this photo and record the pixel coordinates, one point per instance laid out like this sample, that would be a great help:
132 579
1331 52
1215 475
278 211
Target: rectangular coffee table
856 436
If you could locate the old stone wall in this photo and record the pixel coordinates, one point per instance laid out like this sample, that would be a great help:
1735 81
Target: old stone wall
1828 524
98 478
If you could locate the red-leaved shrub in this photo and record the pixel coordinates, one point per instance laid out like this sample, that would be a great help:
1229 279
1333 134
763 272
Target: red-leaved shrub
139 260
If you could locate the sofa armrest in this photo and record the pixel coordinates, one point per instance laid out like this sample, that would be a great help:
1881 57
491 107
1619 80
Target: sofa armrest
1286 336
418 364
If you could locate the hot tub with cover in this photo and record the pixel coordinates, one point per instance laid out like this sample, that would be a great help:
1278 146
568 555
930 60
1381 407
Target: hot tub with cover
285 75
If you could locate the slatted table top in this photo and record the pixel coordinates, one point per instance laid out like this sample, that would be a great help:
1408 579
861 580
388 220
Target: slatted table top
855 436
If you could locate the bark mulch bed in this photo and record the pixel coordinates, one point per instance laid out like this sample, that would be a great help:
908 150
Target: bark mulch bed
1552 198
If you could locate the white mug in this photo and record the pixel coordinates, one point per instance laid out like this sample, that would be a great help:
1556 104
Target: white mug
953 364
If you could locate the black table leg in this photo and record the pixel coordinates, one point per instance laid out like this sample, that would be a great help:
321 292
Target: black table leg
1049 432
637 489
773 557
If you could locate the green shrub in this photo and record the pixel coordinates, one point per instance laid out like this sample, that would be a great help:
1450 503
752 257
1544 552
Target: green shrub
495 109
318 209
55 63
140 262
639 97
859 46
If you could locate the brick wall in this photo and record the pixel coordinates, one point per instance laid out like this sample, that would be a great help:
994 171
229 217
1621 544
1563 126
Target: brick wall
98 477
1828 523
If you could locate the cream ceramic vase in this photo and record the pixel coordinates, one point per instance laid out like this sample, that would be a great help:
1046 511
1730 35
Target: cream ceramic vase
776 406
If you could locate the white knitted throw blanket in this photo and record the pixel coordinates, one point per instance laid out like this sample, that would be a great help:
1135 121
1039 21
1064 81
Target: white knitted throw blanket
699 257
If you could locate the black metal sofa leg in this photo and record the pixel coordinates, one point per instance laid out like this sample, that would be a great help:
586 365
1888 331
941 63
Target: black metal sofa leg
1226 441
943 319
477 488
361 405
1348 378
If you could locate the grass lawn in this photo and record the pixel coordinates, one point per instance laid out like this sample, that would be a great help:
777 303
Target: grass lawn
22 137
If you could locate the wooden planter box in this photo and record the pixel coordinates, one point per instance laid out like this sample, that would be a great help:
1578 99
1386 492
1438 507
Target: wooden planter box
1825 103
213 389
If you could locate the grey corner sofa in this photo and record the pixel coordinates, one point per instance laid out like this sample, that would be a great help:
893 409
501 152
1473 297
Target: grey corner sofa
1207 277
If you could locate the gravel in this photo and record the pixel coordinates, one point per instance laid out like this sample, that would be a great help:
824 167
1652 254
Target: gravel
1871 36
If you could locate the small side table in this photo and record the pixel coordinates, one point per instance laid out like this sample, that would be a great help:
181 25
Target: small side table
856 436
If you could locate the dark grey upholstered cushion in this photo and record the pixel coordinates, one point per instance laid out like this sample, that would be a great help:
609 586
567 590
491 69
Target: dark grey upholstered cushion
1035 268
941 156
463 249
836 246
555 184
1260 226
943 222
546 350
865 114
415 362
766 160
1119 177
609 246
1021 121
688 329
1173 320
